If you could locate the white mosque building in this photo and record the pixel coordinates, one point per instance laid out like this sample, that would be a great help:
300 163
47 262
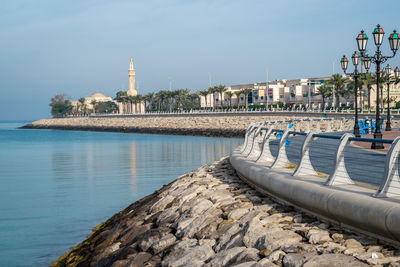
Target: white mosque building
128 107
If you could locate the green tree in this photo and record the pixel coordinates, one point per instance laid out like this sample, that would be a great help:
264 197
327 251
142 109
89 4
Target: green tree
149 97
339 84
94 102
368 79
324 91
82 106
246 93
106 107
211 91
230 94
194 100
205 94
60 106
220 89
238 93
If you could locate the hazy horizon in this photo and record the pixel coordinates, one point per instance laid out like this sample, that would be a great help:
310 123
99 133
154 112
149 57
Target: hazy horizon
81 47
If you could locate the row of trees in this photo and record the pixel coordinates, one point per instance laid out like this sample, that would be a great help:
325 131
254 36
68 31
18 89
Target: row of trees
345 87
61 106
180 99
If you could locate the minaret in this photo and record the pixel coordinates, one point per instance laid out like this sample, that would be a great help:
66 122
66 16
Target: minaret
131 74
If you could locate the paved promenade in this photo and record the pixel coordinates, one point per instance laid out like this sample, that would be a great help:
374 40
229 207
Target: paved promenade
363 165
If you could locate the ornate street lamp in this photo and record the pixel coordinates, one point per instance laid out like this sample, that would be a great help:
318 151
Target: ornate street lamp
344 62
388 72
397 73
378 59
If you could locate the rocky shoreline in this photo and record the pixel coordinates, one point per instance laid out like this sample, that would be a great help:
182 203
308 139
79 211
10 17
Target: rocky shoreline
210 217
170 131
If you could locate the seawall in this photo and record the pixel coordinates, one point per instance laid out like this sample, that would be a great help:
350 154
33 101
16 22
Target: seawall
210 217
226 125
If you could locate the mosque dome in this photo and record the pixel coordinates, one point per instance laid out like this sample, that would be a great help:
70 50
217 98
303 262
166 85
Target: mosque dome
98 95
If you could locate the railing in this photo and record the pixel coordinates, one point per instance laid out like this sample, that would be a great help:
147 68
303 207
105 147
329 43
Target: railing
309 153
242 110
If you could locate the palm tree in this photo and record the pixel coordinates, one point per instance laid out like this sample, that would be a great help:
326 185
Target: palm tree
325 91
211 90
94 102
161 97
238 93
149 97
246 93
82 104
122 97
193 98
338 83
368 79
230 94
180 96
220 89
205 94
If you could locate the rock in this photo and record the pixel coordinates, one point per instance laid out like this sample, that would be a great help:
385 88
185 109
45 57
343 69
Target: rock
338 238
265 263
165 242
297 248
234 255
199 207
274 239
169 215
354 251
162 203
139 259
333 260
107 252
264 208
188 253
296 260
246 264
222 242
276 256
317 236
211 217
237 213
120 263
297 218
331 247
323 226
253 231
374 249
210 242
275 218
150 237
132 234
369 255
352 243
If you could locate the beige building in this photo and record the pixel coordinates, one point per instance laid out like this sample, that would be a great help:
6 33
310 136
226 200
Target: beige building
127 107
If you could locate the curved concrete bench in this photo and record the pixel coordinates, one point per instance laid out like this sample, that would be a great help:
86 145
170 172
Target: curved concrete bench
351 206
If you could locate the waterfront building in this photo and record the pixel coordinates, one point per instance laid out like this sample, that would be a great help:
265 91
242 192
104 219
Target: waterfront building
127 107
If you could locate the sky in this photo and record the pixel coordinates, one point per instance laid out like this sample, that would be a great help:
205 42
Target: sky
79 47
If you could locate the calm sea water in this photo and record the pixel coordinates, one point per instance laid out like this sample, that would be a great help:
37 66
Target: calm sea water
55 186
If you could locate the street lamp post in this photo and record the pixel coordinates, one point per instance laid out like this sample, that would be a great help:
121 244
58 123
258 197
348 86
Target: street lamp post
388 71
344 62
378 59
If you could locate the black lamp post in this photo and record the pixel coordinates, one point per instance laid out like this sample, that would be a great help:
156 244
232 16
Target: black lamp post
344 62
388 71
378 58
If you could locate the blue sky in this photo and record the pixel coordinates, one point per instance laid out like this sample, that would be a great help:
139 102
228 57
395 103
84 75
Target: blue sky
80 47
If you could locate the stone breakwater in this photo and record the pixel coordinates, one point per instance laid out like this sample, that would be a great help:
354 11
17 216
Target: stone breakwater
209 217
228 126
